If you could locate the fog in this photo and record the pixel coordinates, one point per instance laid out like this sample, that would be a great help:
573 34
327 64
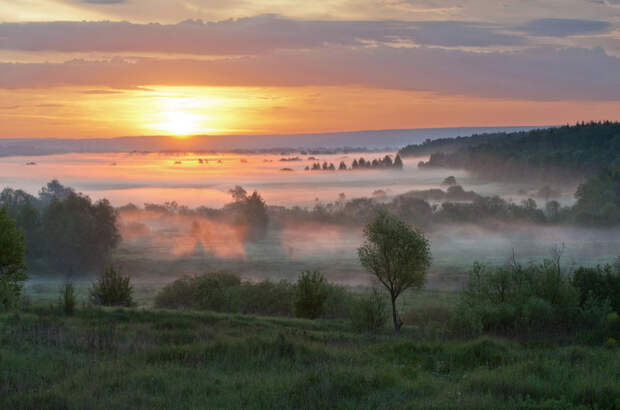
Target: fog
158 247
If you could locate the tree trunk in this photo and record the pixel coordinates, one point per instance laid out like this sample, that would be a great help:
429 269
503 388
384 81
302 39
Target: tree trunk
397 322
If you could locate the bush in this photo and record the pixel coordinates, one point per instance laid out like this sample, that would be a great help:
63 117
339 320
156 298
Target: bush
214 291
112 289
225 292
211 291
176 295
517 298
68 299
311 292
338 302
267 298
601 282
369 313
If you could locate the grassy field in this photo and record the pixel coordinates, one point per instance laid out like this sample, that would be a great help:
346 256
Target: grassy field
142 358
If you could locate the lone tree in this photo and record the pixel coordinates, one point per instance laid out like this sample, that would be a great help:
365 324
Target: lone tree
397 255
12 265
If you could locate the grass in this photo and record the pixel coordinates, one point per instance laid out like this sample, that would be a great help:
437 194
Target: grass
141 358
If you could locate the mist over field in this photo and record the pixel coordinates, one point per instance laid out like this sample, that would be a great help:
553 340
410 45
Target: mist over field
157 246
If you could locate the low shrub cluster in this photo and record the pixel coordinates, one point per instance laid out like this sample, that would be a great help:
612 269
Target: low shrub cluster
311 297
519 299
112 289
369 313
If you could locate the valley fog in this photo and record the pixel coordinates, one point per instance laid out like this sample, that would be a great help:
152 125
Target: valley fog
157 247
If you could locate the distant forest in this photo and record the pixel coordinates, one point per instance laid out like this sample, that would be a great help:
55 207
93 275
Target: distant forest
550 154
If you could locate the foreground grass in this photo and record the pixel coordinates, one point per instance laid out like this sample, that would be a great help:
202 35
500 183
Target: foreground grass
103 358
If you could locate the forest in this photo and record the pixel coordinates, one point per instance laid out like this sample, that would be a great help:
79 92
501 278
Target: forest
550 154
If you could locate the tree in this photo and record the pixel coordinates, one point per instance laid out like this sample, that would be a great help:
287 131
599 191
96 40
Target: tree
238 193
54 189
449 181
398 163
311 292
12 265
397 255
80 234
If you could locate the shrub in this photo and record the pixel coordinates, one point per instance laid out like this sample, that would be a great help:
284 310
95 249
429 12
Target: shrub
311 292
369 313
112 289
176 295
210 291
68 299
267 298
601 282
213 291
516 297
537 313
338 302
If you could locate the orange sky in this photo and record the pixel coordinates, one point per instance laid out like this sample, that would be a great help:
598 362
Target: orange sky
77 112
96 68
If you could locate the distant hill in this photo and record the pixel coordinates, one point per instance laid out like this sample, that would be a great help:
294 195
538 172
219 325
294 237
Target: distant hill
390 139
552 153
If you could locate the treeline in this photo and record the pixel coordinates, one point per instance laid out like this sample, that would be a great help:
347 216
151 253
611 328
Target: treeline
552 153
378 163
63 230
598 204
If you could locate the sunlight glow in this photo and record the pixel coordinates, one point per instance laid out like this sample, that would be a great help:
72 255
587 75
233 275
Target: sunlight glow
180 123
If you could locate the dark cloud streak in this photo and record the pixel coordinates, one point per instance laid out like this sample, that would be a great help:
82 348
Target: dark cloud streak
542 74
243 36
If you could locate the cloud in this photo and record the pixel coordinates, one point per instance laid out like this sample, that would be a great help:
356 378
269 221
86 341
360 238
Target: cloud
241 36
541 74
103 1
564 27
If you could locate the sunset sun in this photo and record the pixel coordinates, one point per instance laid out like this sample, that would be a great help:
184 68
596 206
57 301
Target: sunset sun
180 123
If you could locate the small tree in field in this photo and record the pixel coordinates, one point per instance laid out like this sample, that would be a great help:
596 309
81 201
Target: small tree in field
12 265
397 255
311 292
112 289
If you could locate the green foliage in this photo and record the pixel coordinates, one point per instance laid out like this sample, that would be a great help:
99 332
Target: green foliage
311 293
212 291
600 283
397 255
178 360
68 299
598 199
515 298
225 292
552 153
80 233
63 228
12 265
369 312
266 298
112 289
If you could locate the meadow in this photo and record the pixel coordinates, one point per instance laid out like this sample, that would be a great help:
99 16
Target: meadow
139 358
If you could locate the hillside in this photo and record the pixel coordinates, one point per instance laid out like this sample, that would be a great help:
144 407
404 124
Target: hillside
127 359
553 153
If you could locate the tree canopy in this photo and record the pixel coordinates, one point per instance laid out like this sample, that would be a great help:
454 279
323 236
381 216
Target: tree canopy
397 255
12 264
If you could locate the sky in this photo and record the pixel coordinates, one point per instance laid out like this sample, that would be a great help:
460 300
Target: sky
107 68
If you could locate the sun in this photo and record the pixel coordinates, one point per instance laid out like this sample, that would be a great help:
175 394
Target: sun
180 123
